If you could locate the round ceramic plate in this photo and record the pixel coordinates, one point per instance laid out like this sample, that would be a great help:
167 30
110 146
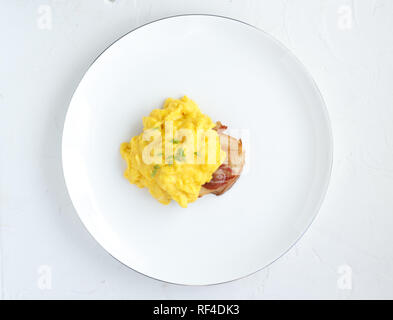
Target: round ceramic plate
238 75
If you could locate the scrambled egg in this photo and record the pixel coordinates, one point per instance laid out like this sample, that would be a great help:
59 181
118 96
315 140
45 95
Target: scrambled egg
177 152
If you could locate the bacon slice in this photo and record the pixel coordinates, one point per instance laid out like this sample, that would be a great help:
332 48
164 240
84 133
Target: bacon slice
228 173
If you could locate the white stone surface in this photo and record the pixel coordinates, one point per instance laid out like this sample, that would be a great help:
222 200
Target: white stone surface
46 46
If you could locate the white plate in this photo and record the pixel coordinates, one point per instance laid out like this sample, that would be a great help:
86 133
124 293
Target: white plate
237 74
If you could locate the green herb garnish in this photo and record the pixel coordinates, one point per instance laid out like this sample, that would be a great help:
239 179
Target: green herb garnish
155 169
170 158
174 141
180 155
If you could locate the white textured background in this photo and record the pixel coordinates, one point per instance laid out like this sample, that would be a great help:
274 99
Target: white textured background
348 48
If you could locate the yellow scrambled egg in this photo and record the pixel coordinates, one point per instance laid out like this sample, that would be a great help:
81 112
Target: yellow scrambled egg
176 153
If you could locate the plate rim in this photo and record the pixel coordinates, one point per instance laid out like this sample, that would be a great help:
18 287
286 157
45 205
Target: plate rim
324 110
